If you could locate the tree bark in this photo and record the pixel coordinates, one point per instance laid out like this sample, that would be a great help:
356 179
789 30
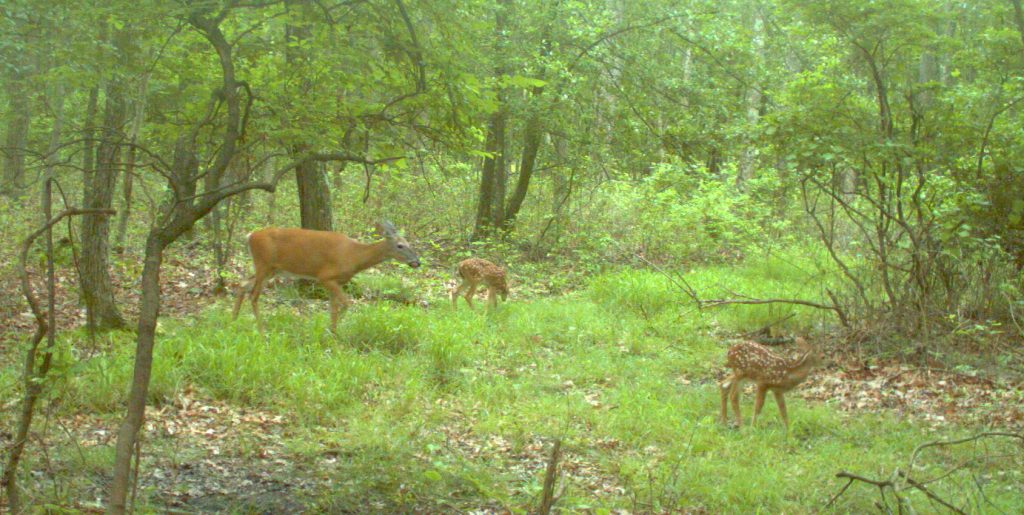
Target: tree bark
94 268
532 135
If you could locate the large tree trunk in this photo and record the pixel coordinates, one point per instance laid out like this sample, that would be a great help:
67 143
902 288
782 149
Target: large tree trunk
19 116
94 268
310 179
490 210
314 196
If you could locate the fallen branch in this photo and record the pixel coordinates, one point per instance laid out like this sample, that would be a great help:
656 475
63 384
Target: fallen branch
896 482
711 303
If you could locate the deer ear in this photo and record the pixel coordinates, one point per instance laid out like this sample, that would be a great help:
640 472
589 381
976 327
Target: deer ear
386 229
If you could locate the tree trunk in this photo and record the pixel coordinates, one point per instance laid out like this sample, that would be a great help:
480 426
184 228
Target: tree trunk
19 116
1018 19
89 139
753 97
149 311
314 195
138 113
532 135
490 210
310 179
94 268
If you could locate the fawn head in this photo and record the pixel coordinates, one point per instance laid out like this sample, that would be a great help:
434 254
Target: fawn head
810 354
398 247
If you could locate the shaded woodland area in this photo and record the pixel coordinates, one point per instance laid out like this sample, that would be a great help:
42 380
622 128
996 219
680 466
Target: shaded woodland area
649 183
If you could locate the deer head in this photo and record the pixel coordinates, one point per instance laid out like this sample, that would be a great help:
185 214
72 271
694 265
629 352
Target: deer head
398 248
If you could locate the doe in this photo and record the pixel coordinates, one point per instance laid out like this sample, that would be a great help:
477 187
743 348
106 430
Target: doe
768 371
473 272
331 258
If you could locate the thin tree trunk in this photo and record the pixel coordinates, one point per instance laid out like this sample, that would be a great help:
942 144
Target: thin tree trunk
532 136
138 114
97 290
19 117
1018 18
749 157
490 209
149 311
310 180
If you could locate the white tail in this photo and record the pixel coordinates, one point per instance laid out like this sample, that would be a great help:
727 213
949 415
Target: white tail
474 271
331 258
768 371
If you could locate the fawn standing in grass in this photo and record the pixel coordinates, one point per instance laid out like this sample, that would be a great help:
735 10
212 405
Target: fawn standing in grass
474 271
769 371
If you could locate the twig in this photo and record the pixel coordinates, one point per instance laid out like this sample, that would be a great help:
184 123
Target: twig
548 497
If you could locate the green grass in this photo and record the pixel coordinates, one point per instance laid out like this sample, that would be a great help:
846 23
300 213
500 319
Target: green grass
623 371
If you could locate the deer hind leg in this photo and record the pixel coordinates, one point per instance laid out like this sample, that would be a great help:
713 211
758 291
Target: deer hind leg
243 290
758 402
254 296
781 401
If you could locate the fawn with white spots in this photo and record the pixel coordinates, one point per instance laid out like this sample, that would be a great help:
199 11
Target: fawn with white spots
476 271
768 371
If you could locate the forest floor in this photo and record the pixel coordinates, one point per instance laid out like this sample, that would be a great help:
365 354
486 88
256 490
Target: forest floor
413 406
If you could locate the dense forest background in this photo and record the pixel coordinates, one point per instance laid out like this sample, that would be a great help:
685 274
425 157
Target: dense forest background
875 148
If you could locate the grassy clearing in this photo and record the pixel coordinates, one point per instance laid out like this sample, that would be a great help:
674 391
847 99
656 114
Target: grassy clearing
441 409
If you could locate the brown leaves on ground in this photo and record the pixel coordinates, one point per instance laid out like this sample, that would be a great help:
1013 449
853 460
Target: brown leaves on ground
934 396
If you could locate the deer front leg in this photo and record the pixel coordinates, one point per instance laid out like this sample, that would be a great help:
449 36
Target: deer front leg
492 297
758 402
454 294
470 293
781 401
734 396
724 388
338 300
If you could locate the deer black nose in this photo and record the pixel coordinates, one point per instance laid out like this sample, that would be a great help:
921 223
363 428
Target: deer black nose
415 264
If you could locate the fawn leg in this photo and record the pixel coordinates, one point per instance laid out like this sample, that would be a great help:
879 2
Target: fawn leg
455 294
734 396
781 401
724 388
492 297
469 295
758 402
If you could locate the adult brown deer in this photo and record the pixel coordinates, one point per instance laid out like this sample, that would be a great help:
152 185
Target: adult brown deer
768 371
474 271
331 258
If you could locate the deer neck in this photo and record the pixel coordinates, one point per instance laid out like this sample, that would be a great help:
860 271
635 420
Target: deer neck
802 366
368 255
